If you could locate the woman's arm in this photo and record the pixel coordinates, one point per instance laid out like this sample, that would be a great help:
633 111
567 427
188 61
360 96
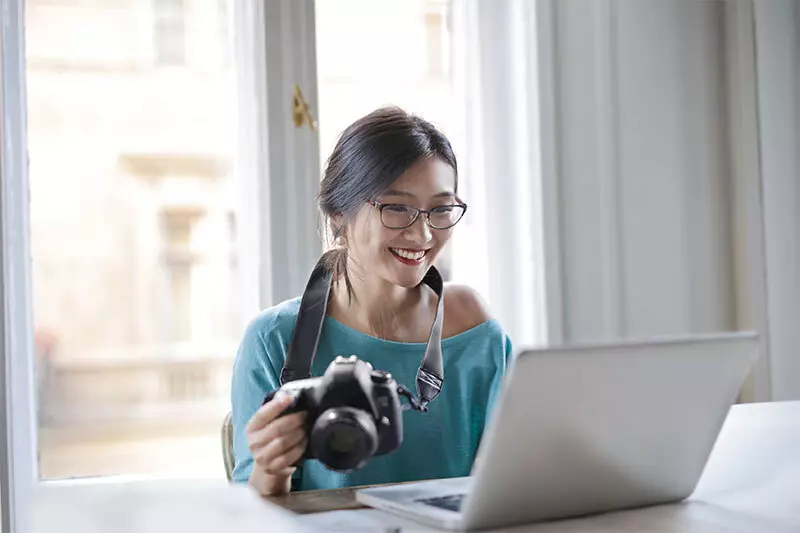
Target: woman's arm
276 444
269 485
265 444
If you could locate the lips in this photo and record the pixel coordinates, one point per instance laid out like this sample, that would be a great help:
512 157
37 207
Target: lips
408 256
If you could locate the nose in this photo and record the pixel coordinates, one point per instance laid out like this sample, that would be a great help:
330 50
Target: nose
420 232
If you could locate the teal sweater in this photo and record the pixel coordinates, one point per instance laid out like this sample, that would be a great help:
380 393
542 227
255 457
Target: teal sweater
440 443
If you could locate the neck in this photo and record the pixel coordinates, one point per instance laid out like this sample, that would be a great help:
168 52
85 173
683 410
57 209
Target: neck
375 303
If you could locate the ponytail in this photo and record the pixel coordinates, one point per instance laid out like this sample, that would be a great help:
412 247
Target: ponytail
336 262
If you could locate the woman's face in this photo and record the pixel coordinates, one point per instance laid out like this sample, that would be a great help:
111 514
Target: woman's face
403 256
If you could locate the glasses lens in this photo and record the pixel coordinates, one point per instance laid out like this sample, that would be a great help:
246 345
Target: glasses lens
446 216
397 216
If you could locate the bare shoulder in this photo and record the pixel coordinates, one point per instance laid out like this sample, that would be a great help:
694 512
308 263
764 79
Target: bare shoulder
464 309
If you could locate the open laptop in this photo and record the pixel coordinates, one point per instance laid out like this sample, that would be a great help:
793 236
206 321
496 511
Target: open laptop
587 429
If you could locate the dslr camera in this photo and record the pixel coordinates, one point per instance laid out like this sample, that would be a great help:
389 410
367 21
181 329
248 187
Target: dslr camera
353 413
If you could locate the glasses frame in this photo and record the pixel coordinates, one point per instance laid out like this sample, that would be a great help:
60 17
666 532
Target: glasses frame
418 211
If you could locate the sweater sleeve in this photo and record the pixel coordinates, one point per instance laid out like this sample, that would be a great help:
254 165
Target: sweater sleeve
256 372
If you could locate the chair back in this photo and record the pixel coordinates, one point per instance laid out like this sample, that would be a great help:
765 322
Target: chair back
227 446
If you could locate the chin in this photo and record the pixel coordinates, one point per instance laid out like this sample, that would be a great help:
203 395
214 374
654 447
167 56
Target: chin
409 280
407 283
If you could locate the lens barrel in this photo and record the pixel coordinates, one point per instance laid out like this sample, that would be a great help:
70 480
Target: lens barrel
344 438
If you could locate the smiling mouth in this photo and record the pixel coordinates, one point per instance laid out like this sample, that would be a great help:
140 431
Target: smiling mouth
409 257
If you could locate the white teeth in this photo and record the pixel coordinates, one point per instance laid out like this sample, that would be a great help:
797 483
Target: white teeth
408 254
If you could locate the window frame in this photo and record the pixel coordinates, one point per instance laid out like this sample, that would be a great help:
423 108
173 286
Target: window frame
18 420
274 45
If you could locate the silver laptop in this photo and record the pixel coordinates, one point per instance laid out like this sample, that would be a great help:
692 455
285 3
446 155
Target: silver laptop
587 429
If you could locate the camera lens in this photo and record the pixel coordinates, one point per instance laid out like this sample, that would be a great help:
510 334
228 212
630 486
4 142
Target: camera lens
344 438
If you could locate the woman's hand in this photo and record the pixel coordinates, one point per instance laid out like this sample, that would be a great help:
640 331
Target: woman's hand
277 443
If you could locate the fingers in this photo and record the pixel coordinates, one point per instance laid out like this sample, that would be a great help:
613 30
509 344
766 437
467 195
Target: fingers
277 442
282 451
290 457
275 429
268 412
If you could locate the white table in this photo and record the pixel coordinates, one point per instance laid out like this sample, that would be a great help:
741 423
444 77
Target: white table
751 484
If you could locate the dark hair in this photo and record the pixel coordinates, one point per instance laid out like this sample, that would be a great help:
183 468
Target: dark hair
368 157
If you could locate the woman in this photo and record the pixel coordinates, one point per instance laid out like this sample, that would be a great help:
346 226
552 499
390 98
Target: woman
389 198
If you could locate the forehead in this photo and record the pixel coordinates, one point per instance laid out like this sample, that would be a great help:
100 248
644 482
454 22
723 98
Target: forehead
426 178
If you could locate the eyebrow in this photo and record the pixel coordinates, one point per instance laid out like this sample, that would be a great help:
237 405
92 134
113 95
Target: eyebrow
404 194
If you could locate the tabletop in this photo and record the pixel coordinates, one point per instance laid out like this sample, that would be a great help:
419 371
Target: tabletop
751 484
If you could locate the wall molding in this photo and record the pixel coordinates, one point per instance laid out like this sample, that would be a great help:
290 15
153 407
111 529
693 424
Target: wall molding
746 193
606 93
777 38
543 64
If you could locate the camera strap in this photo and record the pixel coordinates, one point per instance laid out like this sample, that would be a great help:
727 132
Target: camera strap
308 327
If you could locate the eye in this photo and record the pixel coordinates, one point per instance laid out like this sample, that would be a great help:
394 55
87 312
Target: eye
397 208
444 209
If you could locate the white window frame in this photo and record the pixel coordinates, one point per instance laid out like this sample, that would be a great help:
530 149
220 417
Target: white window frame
280 237
18 467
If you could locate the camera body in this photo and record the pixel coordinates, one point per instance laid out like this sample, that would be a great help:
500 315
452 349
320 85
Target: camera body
353 413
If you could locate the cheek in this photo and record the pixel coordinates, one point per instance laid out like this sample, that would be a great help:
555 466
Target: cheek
444 236
441 238
371 239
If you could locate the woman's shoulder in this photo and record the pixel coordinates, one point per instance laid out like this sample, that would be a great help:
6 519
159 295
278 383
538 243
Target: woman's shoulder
468 317
273 323
464 309
262 348
470 326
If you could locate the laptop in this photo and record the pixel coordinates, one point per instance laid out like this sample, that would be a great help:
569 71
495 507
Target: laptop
587 429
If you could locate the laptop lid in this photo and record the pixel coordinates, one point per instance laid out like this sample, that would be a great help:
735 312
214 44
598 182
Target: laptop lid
592 428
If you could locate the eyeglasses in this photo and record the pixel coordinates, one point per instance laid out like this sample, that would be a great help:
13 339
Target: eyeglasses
398 216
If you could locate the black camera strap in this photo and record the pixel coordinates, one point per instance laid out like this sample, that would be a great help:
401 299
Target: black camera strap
308 327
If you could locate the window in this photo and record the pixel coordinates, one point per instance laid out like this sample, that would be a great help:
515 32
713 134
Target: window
169 32
133 203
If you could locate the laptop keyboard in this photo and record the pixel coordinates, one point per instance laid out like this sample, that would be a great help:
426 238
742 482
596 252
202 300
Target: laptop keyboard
451 503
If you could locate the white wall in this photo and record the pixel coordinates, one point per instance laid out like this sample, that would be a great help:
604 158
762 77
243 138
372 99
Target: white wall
778 64
641 161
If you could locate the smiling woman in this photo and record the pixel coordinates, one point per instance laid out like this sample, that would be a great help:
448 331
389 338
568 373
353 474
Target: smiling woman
372 153
390 200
